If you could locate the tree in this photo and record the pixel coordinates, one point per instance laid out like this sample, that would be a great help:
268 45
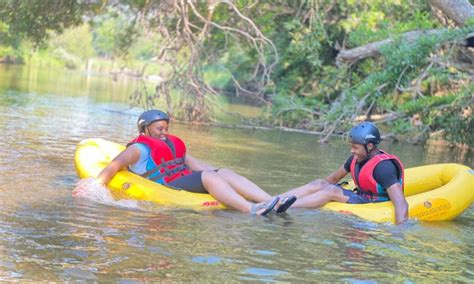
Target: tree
187 28
189 32
33 19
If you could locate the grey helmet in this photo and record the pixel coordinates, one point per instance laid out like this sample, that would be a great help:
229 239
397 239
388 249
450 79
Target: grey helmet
150 116
365 133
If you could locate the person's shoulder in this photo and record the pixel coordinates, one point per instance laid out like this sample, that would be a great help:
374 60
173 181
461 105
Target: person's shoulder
386 166
386 173
386 163
350 158
143 148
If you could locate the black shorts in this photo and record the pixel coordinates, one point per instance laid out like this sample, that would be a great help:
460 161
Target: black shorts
354 198
191 182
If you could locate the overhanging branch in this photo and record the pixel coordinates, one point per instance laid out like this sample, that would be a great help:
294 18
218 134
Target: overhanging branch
348 56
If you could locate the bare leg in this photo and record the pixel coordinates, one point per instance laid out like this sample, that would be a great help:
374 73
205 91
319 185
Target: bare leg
307 189
321 197
243 186
224 193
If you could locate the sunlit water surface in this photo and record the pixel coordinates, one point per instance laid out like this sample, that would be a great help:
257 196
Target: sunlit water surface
46 235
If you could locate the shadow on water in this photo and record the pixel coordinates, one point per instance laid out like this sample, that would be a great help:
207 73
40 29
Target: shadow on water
46 235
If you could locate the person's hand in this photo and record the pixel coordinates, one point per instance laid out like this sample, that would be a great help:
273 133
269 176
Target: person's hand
85 184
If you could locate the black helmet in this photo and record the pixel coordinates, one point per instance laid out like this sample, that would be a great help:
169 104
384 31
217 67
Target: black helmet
150 116
365 133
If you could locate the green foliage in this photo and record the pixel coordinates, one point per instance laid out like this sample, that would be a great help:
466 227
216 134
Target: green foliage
76 42
403 61
6 37
373 26
306 84
104 35
6 51
425 103
369 21
456 120
306 47
300 60
10 45
145 46
286 110
217 76
33 19
306 88
115 32
470 22
402 126
304 43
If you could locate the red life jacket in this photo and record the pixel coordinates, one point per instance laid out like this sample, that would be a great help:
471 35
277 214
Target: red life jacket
366 183
168 159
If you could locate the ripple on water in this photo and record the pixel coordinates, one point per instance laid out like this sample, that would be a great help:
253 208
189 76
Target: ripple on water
262 274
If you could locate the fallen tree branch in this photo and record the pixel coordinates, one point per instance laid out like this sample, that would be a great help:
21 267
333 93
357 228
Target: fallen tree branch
347 56
460 66
459 11
289 109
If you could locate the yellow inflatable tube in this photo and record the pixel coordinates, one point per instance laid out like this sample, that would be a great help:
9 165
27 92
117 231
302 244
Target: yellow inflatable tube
92 155
437 192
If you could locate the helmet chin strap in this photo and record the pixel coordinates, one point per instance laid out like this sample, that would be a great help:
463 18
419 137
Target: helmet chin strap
367 152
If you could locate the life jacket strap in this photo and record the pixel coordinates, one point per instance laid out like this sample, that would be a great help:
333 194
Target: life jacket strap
168 172
164 165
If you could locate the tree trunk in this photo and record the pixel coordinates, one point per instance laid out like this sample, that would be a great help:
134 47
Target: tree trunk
355 54
457 10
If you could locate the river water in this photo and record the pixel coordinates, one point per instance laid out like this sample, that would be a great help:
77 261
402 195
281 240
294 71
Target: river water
46 235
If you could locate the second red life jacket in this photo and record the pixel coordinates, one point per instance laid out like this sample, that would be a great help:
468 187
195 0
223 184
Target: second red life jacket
366 183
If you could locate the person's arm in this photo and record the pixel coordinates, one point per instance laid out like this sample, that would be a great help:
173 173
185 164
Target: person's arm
127 157
337 175
386 174
197 165
124 159
395 192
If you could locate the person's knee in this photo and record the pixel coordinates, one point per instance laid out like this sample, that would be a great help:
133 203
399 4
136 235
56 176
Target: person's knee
333 192
225 172
211 177
317 185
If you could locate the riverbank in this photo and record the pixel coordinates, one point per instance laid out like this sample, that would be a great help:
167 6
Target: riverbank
244 118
